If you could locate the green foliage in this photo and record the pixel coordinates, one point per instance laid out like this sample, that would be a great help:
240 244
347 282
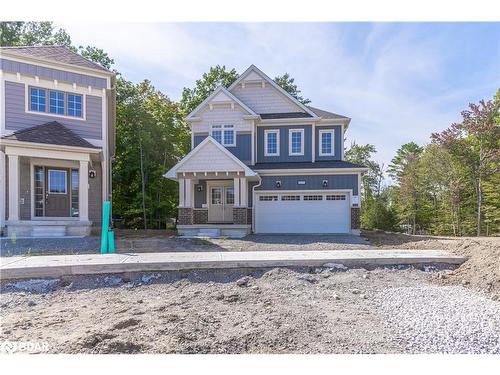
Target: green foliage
287 83
32 34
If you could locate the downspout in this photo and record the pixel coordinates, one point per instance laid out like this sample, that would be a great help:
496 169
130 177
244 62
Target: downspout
253 202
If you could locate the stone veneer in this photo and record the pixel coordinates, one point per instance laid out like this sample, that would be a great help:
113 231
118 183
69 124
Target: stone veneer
240 215
200 216
355 218
185 216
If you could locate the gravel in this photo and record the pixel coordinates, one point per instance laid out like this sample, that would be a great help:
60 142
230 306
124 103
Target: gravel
447 319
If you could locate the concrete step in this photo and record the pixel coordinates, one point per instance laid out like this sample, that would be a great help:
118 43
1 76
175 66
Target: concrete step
48 231
209 232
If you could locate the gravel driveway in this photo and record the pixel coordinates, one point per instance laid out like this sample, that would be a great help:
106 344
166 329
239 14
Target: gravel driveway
253 311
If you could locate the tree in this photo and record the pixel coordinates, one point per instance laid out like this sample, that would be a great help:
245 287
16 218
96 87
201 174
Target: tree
32 34
96 55
287 83
475 142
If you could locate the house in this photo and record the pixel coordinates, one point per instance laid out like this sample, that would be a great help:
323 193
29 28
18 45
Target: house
263 162
57 130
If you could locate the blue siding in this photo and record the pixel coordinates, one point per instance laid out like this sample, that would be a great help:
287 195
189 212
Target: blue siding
243 149
337 144
51 74
283 156
315 182
16 117
200 197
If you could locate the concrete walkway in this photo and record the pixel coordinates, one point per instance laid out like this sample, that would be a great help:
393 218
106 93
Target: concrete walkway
66 265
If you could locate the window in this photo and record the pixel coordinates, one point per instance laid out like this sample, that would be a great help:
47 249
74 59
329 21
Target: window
326 138
290 197
74 193
56 102
57 181
37 99
271 143
39 190
296 142
224 134
74 105
268 198
217 195
229 195
313 197
338 197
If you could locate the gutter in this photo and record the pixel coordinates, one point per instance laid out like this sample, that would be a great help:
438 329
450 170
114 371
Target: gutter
253 202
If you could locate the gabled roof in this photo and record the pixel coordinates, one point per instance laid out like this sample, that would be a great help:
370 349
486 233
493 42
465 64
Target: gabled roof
52 133
59 54
221 90
273 116
253 68
327 115
172 173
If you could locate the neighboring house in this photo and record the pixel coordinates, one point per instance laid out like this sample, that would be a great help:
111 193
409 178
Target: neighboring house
262 161
57 129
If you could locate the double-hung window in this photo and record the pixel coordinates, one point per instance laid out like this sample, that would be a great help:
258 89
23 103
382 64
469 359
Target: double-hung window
271 142
55 102
326 142
224 134
296 142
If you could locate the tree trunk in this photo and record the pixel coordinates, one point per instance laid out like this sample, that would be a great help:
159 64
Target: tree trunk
143 184
479 204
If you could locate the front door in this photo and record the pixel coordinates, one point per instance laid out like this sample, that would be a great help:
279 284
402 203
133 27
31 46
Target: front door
57 194
221 202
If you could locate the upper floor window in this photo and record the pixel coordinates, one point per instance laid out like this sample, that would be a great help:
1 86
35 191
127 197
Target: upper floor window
224 134
296 142
271 142
326 138
37 100
55 102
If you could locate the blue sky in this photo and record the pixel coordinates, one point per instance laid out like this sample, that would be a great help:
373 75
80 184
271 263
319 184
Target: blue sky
397 81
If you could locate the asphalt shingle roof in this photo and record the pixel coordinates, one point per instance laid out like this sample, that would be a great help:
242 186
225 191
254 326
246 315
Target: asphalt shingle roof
52 133
307 165
55 53
269 116
327 115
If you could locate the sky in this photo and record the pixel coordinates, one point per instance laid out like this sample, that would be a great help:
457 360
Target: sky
399 82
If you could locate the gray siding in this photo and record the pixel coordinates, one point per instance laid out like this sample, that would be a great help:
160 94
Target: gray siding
51 74
338 144
200 197
337 181
243 149
95 196
24 188
283 156
16 117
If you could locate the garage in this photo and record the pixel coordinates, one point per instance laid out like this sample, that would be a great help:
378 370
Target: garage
302 212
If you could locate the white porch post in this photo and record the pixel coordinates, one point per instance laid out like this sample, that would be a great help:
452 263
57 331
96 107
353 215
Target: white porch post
181 192
236 192
83 201
188 197
3 187
243 192
13 187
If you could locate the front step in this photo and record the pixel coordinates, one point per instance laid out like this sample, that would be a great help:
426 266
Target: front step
48 231
209 232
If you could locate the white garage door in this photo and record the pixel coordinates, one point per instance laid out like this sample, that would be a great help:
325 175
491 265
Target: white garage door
302 212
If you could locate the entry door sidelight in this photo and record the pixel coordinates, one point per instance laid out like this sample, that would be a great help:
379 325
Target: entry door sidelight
220 203
228 203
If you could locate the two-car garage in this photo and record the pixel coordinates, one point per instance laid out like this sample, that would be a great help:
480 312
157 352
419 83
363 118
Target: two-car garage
302 212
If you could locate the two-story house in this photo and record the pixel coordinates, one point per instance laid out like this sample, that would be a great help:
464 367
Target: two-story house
263 162
57 121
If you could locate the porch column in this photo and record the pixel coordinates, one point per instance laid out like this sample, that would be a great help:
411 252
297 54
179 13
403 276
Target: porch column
13 187
3 187
236 192
243 192
83 196
188 196
181 192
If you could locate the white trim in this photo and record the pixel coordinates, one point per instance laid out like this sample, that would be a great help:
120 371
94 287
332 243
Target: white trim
252 143
313 146
3 188
47 101
65 179
274 84
272 131
223 127
216 91
309 171
320 142
45 146
172 173
290 133
2 104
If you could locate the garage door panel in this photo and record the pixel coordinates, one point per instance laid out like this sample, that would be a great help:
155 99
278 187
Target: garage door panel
302 216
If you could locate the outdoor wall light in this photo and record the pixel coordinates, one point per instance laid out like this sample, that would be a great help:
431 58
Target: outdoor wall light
199 188
278 183
92 173
325 183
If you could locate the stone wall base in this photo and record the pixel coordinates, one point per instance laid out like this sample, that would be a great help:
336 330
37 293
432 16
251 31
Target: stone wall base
185 215
200 216
355 217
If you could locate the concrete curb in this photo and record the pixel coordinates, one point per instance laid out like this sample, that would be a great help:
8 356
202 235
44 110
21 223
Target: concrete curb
91 264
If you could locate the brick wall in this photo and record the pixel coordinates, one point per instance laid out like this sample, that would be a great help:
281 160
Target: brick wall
185 216
200 216
240 215
355 218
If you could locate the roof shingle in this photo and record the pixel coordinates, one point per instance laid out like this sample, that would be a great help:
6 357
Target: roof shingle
327 115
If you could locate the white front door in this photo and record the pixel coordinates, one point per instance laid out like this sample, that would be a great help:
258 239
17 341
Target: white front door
220 202
302 212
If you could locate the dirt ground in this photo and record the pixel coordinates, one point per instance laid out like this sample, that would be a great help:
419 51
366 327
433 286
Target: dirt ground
481 271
